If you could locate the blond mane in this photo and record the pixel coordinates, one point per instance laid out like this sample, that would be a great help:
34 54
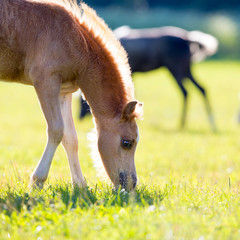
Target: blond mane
112 47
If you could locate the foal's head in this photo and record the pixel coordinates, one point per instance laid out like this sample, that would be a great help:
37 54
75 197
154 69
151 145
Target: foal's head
117 141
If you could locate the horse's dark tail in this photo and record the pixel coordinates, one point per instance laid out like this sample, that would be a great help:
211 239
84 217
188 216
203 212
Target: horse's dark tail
202 45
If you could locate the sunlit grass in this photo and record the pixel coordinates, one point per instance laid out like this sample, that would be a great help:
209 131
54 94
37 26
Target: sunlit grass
189 179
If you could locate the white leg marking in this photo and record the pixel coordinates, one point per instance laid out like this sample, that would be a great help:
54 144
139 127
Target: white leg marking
70 140
40 173
48 95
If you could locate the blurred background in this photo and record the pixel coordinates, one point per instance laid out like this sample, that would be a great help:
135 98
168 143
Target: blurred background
220 18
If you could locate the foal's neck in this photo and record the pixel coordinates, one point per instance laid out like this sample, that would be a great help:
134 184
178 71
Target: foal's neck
104 93
104 88
108 84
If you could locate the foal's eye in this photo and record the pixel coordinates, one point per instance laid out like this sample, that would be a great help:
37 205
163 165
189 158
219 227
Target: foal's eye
127 144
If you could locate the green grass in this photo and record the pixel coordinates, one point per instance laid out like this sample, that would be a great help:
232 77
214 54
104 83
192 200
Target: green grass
188 179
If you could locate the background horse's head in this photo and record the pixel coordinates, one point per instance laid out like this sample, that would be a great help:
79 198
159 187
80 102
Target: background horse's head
117 141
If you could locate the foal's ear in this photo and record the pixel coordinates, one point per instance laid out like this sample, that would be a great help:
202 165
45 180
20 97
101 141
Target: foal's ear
132 110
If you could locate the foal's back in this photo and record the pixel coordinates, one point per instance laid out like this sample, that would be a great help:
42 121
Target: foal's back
33 36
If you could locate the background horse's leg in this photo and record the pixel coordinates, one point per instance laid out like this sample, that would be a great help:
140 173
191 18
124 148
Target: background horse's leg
85 108
48 91
179 79
207 104
185 102
70 140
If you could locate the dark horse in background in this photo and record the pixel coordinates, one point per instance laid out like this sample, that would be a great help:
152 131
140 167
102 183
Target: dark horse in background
170 47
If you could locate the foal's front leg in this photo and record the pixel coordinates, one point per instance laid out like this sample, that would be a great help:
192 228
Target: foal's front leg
70 140
48 91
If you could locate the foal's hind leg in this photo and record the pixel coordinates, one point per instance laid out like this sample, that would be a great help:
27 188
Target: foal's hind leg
70 140
48 91
207 104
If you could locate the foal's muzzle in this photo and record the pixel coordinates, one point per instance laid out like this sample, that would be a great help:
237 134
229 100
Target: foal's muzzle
127 181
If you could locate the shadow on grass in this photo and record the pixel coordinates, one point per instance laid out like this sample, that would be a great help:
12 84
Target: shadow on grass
63 197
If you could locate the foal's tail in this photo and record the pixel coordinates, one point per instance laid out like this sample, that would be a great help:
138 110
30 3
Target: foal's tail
202 45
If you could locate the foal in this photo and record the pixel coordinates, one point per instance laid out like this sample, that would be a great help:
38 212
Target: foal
53 47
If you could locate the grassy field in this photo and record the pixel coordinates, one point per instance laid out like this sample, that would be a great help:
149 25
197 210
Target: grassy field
188 179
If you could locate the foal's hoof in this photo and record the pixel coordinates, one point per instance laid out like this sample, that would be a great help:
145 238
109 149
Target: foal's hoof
79 184
35 184
37 180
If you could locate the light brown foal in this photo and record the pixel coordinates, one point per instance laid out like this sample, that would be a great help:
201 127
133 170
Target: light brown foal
55 48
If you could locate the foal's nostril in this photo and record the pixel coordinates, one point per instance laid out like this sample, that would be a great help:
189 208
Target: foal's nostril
123 179
134 180
126 181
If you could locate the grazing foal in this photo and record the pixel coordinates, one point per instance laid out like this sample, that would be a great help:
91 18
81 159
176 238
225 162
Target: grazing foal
53 47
